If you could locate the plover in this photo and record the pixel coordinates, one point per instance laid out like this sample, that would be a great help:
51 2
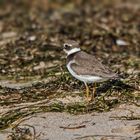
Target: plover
85 67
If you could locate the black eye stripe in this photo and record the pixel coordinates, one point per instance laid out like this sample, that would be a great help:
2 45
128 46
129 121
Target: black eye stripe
67 46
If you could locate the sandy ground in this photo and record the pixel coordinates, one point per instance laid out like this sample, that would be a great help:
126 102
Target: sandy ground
95 126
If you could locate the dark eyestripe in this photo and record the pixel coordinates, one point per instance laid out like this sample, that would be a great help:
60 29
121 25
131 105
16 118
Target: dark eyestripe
67 46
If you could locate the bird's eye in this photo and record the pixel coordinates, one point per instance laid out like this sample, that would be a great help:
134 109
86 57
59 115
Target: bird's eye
66 46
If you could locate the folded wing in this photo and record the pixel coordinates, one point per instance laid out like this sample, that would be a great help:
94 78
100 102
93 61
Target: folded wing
86 64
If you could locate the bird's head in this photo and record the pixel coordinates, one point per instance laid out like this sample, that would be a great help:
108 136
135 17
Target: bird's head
71 47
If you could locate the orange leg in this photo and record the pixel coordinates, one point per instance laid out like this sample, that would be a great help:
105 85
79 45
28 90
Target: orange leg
87 91
94 91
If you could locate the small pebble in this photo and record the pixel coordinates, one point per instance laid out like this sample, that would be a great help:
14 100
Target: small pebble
121 42
32 38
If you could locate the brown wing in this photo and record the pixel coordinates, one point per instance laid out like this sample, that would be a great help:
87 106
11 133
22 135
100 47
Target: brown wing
86 63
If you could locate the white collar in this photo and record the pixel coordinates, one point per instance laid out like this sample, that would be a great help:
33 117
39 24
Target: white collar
74 50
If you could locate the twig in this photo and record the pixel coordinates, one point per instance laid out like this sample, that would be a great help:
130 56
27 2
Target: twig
73 127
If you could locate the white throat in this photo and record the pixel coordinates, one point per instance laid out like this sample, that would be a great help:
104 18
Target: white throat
74 50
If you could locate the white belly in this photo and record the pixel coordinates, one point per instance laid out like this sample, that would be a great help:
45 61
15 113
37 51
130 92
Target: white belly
84 78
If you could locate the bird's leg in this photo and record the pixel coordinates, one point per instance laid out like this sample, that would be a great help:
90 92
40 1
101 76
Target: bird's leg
94 91
87 91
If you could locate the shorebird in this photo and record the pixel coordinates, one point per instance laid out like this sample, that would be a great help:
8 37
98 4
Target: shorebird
85 67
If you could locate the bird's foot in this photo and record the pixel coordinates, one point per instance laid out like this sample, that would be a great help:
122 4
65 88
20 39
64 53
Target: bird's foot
90 99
